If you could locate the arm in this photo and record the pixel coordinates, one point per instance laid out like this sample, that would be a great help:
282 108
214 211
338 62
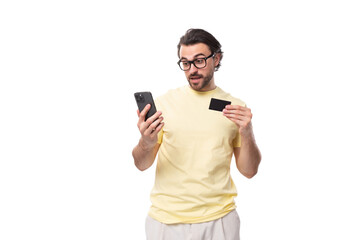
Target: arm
145 151
247 157
144 158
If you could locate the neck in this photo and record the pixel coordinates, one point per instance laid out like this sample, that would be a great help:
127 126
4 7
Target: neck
208 87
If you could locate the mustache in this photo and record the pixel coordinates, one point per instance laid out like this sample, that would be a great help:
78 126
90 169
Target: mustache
195 75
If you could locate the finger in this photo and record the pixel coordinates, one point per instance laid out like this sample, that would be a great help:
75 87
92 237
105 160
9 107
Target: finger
143 126
233 117
153 126
245 112
158 129
144 112
238 109
239 120
142 116
138 112
156 123
234 107
240 123
235 112
235 120
154 117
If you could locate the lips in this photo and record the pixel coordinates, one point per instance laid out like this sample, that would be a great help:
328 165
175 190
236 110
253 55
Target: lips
195 78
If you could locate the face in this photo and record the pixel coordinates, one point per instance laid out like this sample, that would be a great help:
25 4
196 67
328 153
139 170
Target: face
199 79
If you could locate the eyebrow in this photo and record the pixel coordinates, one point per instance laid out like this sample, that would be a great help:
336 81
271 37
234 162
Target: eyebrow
197 55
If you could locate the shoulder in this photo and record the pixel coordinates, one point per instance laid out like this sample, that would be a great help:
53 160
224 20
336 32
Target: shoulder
231 98
171 93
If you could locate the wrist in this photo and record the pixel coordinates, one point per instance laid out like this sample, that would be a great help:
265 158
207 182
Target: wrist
144 145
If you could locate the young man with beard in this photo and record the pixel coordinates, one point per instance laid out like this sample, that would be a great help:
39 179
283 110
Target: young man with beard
193 195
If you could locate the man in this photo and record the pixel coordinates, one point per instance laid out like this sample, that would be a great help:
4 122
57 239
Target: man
193 195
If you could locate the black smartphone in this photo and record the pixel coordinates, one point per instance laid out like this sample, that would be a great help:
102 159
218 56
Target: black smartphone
143 99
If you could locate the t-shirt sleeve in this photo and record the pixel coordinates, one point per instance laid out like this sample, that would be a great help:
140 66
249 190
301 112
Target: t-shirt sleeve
237 140
160 136
159 107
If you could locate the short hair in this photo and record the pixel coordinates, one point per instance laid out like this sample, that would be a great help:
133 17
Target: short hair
193 36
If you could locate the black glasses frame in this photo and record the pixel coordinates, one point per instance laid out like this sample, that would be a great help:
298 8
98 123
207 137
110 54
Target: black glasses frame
193 62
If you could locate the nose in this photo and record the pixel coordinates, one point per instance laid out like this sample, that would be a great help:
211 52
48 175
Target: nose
192 69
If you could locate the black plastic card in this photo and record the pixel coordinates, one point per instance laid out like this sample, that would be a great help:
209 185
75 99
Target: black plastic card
217 104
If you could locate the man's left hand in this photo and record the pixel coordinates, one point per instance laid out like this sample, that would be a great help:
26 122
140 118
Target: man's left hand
241 116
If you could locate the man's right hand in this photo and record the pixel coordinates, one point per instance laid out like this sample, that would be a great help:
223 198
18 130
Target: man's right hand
150 128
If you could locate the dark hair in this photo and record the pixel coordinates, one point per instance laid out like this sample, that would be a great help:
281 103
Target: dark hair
193 36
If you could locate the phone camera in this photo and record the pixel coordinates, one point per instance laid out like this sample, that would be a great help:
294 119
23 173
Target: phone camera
140 98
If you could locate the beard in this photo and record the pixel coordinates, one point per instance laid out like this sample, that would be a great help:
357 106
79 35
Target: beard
202 84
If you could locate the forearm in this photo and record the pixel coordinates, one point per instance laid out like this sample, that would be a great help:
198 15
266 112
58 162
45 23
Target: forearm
144 156
249 157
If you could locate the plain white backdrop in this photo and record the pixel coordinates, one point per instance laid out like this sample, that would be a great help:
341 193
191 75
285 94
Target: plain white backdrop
68 71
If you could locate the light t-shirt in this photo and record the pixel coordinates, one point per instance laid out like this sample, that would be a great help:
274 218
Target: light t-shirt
193 182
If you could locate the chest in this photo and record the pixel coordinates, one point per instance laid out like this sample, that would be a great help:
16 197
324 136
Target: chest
195 122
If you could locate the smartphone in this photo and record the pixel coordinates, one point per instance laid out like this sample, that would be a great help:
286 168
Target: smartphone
143 99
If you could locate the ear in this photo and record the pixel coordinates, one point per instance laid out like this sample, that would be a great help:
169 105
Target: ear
217 58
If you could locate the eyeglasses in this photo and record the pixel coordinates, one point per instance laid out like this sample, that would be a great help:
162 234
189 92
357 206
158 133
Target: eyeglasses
198 63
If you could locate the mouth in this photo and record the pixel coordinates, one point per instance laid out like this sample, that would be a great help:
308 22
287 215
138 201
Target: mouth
195 79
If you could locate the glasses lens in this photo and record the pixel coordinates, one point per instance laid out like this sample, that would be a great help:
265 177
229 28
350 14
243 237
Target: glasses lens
184 65
200 63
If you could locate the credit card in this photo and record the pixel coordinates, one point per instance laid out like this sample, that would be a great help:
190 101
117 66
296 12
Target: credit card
218 104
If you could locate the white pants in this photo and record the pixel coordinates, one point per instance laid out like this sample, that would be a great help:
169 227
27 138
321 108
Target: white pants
225 228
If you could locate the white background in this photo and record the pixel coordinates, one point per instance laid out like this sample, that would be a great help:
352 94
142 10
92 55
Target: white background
68 71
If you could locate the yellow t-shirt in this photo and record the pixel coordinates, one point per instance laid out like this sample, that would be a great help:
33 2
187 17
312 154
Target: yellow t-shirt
193 182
